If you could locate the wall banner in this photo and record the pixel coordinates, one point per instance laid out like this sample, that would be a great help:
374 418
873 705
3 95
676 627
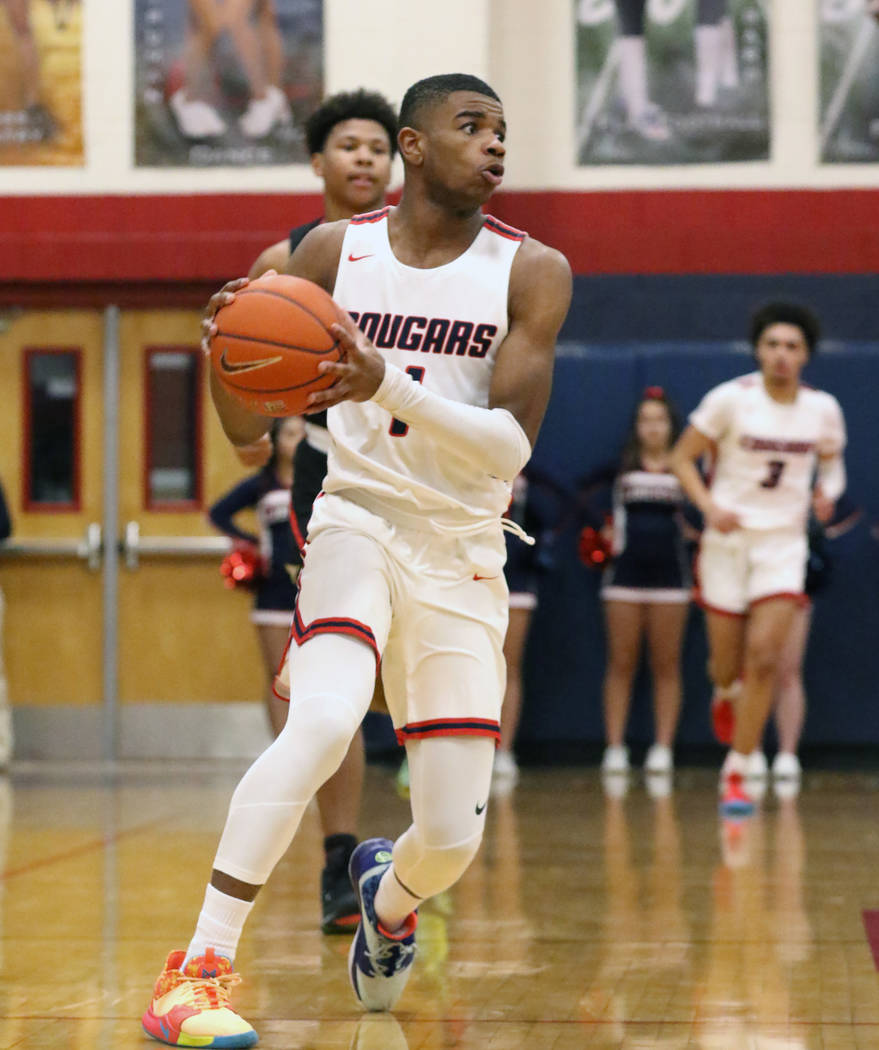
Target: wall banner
225 82
849 47
41 82
672 81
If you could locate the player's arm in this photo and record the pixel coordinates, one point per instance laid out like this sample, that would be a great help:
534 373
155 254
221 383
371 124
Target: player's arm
275 257
830 480
317 255
690 447
496 439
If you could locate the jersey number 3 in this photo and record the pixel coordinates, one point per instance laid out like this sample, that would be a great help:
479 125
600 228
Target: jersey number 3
773 477
398 427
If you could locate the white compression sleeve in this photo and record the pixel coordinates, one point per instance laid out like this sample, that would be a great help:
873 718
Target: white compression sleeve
489 438
831 477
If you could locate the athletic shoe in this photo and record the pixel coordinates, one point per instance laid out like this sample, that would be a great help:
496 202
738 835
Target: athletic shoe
505 770
191 1007
263 115
615 760
659 760
340 911
735 801
786 766
651 124
757 767
196 119
723 719
379 961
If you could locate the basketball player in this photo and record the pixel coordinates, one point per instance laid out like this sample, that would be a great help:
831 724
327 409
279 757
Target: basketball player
769 435
405 548
716 57
351 138
643 116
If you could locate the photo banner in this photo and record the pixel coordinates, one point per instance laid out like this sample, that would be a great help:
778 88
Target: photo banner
672 81
225 84
41 82
849 46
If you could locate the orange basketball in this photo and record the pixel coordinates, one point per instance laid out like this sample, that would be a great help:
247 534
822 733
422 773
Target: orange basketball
270 340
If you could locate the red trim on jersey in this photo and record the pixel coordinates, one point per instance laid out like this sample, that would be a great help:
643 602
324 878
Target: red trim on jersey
798 597
449 727
503 230
369 216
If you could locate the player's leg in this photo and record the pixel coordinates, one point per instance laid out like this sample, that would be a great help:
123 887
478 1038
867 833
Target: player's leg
769 624
643 116
665 634
514 650
790 696
268 105
272 643
196 117
625 622
29 59
338 803
709 50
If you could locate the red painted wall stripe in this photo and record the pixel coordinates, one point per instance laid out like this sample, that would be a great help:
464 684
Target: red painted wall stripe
871 926
212 237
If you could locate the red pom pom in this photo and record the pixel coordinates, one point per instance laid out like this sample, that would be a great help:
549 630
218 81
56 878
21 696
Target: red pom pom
243 567
593 548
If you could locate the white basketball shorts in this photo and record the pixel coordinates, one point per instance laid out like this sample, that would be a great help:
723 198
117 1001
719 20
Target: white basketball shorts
737 569
433 609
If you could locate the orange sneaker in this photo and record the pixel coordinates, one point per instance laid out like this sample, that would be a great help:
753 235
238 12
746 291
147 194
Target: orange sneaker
191 1007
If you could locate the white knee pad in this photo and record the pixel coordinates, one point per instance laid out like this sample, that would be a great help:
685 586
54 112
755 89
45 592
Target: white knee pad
425 870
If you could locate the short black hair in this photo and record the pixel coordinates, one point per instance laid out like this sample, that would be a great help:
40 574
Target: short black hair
433 90
350 105
780 312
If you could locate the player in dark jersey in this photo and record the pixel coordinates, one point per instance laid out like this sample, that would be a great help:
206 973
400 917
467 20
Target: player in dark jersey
352 139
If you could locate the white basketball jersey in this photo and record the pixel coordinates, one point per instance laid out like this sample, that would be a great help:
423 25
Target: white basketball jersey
442 326
766 450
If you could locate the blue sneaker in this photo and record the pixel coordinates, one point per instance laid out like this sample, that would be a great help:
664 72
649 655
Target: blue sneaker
378 962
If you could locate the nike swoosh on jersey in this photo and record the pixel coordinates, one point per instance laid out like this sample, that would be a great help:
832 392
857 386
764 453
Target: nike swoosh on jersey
247 366
476 576
357 258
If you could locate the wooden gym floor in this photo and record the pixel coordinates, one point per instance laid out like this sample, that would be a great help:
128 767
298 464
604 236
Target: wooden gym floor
586 920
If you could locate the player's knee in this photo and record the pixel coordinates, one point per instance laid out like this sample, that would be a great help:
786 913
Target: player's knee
438 867
328 722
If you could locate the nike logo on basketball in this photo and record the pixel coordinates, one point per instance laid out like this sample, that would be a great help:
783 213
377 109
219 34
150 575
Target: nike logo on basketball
247 366
357 258
480 809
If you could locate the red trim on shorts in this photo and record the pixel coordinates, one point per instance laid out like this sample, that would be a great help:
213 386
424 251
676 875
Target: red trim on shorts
449 727
795 596
700 601
297 535
334 625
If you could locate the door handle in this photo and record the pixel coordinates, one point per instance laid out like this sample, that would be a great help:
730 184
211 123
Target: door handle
134 546
89 549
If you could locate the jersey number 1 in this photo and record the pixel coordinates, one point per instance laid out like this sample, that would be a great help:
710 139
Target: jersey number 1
398 427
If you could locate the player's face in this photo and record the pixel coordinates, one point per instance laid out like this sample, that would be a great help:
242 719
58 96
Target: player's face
782 352
463 144
288 437
653 426
355 165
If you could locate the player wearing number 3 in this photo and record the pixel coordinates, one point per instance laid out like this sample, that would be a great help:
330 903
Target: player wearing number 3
436 406
775 445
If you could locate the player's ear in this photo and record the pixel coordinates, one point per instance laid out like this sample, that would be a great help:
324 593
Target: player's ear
317 164
411 144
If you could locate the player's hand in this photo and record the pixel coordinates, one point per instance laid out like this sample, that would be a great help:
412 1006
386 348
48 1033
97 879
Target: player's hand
257 453
722 520
218 300
358 375
822 507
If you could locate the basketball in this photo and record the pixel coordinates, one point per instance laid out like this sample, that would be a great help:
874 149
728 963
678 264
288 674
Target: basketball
270 340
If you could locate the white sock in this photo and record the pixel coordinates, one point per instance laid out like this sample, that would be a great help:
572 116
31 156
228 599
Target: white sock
729 692
393 903
219 925
633 76
729 68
